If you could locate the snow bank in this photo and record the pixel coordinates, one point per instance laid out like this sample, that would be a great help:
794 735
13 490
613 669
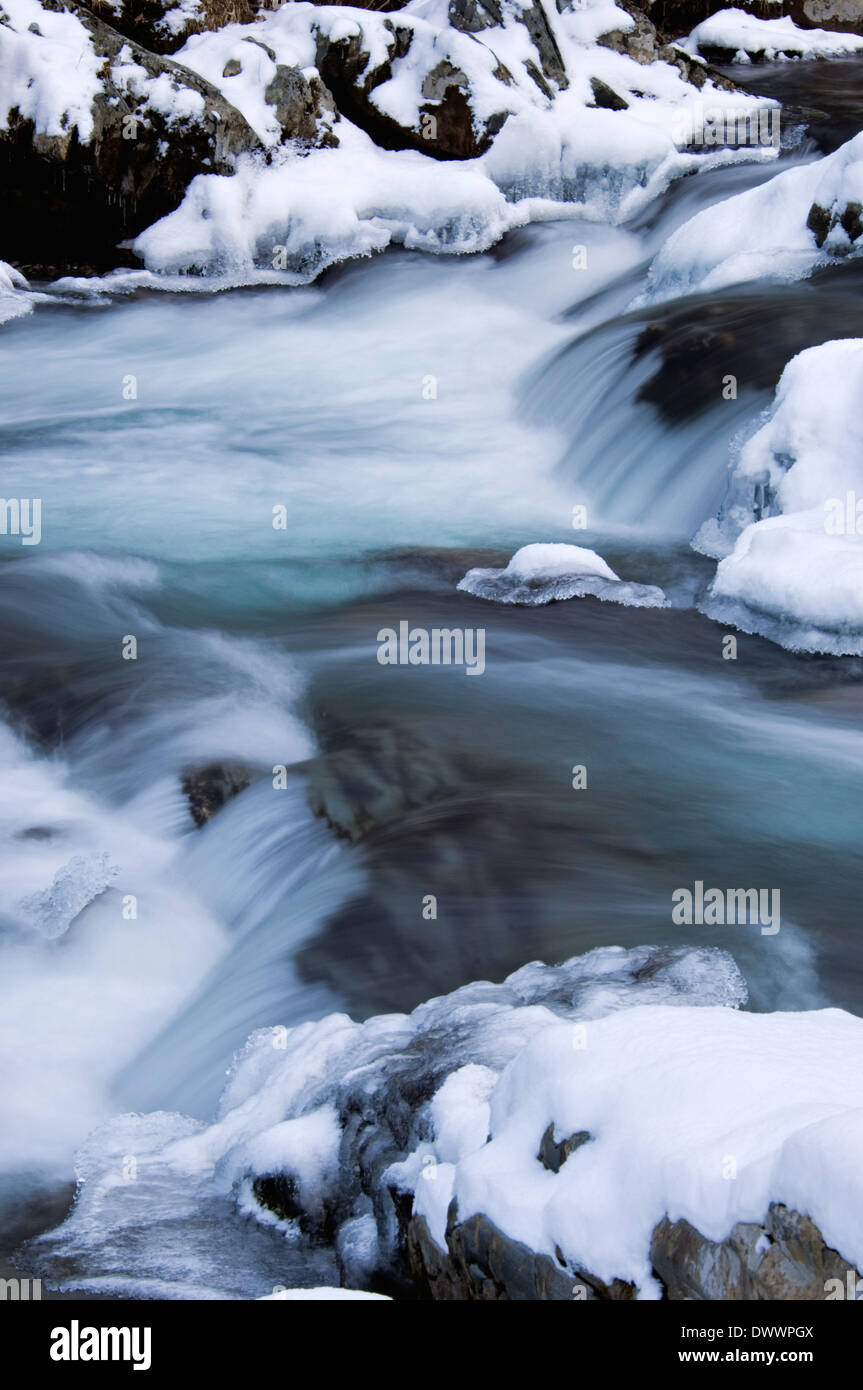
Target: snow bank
543 573
706 1115
551 150
781 230
791 531
767 39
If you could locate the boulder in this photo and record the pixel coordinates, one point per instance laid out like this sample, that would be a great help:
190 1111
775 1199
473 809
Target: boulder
77 190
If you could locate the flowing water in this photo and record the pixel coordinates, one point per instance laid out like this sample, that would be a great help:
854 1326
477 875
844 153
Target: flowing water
412 417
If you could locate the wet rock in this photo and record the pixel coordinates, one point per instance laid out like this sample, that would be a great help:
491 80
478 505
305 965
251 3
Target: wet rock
207 789
482 1263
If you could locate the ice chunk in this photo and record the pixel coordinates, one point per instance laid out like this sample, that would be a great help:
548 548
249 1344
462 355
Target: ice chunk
75 885
543 573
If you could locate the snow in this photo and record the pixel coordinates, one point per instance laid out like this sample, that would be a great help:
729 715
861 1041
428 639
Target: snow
763 233
771 39
554 156
51 77
544 572
675 1101
16 298
291 1089
796 573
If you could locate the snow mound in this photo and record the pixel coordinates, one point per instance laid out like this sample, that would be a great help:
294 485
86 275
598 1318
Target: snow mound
784 229
542 573
741 34
791 531
706 1115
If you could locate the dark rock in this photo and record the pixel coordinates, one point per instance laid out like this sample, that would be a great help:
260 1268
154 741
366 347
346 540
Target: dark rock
821 221
300 104
552 1155
537 25
472 16
148 22
448 126
207 789
605 97
108 190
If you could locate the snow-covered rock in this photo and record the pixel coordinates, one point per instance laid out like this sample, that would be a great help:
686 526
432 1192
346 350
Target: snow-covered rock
735 36
543 573
313 1118
311 133
791 530
98 135
613 1127
806 217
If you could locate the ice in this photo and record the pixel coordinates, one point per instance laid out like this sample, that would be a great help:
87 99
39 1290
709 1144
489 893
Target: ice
790 534
763 233
75 885
542 573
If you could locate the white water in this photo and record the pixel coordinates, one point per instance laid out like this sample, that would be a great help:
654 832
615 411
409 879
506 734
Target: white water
157 522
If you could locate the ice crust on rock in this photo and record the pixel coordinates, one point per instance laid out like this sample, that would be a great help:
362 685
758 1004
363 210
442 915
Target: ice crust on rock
542 573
